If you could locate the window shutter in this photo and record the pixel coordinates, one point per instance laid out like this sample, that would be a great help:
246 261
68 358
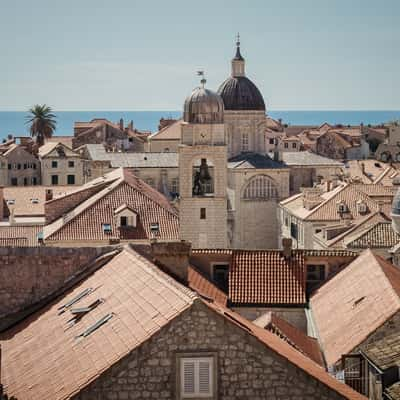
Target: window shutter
188 376
205 377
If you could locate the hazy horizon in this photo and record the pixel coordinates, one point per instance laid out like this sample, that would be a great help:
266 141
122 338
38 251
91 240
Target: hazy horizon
135 55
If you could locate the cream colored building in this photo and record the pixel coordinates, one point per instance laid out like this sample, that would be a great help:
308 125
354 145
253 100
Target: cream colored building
60 165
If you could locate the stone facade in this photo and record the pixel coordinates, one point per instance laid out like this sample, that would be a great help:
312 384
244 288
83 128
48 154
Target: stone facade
245 367
23 167
245 131
254 223
203 218
62 166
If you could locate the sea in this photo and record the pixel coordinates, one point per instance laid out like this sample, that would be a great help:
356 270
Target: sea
14 122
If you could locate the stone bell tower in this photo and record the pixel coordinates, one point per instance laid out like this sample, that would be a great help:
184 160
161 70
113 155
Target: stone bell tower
203 171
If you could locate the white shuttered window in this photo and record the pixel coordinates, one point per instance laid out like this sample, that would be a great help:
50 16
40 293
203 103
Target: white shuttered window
196 377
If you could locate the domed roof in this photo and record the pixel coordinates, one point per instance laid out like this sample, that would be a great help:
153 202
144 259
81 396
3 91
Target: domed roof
203 106
240 93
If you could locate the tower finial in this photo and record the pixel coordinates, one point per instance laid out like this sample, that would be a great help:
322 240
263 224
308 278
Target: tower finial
203 79
238 40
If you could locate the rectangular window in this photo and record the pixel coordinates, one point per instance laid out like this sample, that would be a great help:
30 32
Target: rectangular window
71 164
245 142
54 179
14 181
9 166
196 375
271 141
25 181
34 180
54 164
286 145
19 166
71 179
294 145
25 166
221 276
124 221
315 275
293 230
202 213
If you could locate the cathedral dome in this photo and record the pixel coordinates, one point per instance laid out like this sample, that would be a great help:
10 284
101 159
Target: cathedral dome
203 106
240 93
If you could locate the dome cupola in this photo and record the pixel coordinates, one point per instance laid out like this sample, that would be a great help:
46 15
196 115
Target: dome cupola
238 92
203 106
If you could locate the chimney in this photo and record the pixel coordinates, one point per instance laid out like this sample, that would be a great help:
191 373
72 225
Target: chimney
287 247
49 194
1 203
362 165
173 256
121 124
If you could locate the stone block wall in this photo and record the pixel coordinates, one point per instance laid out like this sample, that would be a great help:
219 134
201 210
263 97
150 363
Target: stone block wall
30 274
246 368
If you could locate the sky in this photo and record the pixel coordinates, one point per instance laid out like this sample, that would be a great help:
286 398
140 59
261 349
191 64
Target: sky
143 55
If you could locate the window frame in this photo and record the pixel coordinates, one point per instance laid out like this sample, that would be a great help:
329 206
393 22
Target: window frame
197 356
54 164
73 179
55 177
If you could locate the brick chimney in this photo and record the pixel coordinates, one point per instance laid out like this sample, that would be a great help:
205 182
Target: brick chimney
173 256
49 194
287 247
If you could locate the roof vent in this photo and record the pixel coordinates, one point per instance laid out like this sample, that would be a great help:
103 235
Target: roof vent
362 207
97 325
10 202
34 201
358 301
77 298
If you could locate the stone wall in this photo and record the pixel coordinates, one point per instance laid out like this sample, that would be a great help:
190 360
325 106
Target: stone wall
245 367
30 274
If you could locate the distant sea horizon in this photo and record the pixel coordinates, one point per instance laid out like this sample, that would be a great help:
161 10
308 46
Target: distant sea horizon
13 122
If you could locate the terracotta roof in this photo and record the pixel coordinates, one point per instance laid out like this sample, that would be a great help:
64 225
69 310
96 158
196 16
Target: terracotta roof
354 303
348 193
19 235
380 235
200 284
67 140
46 360
266 277
169 132
23 195
287 351
57 363
295 337
212 251
385 351
85 221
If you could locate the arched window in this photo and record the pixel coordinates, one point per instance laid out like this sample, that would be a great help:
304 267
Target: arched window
261 187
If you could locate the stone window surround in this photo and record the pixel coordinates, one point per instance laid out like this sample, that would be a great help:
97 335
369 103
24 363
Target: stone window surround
199 354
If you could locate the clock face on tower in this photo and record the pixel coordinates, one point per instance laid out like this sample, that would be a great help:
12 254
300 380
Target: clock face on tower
204 137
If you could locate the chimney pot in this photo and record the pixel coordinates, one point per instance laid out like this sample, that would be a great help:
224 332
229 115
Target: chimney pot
49 194
287 247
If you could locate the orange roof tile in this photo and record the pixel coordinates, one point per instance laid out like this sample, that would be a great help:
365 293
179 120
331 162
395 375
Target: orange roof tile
19 235
200 284
45 360
299 340
267 277
354 303
287 351
85 221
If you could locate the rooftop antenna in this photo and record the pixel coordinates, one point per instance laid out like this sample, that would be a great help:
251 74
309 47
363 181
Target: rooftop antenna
238 40
203 79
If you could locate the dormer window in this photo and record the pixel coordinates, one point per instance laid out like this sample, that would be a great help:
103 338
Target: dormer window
107 228
342 207
361 207
125 217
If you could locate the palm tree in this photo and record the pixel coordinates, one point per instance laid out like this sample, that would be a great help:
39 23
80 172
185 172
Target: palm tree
42 122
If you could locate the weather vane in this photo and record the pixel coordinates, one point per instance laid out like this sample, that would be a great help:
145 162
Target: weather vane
203 79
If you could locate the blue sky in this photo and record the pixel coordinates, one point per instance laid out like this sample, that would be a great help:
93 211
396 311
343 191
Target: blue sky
143 55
